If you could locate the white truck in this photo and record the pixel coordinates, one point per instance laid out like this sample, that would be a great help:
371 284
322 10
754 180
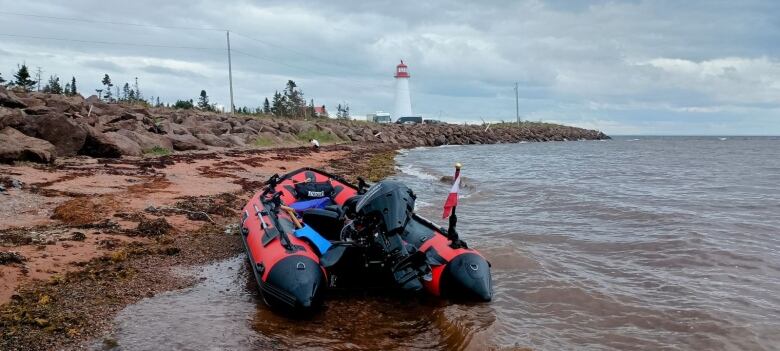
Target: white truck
379 117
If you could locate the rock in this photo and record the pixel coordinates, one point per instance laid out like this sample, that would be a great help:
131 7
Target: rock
11 117
38 110
110 144
66 135
93 99
212 140
9 99
245 129
235 139
15 146
146 140
186 142
172 128
61 103
32 101
218 128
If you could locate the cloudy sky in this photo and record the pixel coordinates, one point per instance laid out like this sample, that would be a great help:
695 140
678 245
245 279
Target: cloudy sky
624 67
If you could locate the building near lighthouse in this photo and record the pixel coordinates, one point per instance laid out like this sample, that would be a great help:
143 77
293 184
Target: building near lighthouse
403 102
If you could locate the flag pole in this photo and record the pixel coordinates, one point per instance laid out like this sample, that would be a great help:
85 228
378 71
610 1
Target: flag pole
452 234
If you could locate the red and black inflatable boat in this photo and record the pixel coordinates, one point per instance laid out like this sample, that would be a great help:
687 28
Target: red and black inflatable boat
297 238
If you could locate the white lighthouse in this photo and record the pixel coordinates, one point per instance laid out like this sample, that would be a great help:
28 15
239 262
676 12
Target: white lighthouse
403 103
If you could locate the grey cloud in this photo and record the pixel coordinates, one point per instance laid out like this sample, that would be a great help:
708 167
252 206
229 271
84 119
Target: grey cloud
649 57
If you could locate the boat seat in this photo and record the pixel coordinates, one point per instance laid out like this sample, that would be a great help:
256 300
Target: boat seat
326 221
315 238
301 206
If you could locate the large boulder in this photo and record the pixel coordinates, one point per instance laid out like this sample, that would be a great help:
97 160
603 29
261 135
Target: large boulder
169 127
110 144
186 142
38 110
235 139
66 135
9 99
217 128
146 140
61 103
15 146
93 100
11 117
212 140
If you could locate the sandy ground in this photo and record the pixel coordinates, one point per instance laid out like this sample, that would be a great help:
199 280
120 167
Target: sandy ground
82 239
104 200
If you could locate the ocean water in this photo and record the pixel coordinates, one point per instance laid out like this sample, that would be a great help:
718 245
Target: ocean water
637 242
633 243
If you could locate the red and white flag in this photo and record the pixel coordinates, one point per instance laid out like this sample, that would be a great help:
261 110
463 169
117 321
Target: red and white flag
452 198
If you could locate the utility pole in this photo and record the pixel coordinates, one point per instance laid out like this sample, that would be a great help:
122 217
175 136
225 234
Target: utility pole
230 73
38 75
517 105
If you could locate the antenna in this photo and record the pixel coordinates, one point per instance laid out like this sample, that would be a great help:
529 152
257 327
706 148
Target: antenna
517 105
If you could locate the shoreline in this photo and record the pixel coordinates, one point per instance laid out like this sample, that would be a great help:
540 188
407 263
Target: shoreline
95 235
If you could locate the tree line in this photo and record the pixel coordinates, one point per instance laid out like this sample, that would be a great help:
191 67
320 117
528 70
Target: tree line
288 103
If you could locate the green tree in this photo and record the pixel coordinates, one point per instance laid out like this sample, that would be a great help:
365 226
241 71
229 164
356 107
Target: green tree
311 112
278 106
125 92
53 87
295 105
184 104
107 83
203 101
2 80
266 107
73 90
23 80
137 93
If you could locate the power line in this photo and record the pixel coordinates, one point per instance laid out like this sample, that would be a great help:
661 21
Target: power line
108 42
110 22
297 52
277 46
278 62
301 53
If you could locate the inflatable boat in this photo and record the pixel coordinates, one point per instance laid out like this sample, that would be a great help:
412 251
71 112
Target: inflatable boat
310 231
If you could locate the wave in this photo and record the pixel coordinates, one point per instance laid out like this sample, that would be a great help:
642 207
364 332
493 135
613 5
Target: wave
421 204
417 172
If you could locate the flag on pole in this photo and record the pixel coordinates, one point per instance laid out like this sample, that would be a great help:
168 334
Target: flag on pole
452 198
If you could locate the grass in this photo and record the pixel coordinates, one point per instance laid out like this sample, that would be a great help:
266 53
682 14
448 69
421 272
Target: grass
320 135
157 151
264 141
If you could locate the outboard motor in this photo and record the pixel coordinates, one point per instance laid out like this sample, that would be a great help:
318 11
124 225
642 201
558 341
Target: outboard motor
381 215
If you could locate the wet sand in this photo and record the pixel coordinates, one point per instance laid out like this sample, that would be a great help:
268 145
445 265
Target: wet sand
96 234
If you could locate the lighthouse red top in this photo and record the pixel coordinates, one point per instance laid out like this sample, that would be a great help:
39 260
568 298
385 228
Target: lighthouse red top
401 70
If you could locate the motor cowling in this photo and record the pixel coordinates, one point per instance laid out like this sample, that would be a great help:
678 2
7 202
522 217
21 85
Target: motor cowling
385 210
